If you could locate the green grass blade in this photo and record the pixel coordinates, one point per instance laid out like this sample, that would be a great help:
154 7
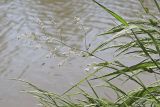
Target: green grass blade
154 41
140 66
145 8
81 81
134 96
92 89
119 18
116 36
144 49
158 7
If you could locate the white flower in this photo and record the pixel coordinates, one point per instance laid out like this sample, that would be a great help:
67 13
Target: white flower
87 69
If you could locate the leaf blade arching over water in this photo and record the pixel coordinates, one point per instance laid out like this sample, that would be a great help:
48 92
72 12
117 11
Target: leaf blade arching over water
118 17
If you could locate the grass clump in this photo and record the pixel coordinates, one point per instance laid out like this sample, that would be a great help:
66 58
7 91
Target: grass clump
143 40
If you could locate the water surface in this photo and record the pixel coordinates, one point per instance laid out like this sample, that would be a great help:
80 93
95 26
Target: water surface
28 50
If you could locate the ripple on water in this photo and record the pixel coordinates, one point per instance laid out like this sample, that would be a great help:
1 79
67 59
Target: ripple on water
28 29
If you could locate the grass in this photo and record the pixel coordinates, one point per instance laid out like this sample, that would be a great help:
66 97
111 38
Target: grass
142 41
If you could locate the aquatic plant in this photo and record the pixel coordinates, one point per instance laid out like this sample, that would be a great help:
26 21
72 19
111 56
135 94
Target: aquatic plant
143 42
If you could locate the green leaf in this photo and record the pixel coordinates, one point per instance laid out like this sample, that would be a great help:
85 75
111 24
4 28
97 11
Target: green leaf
158 7
119 18
137 67
137 95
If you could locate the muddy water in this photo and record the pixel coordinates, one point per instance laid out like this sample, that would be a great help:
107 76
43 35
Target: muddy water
29 50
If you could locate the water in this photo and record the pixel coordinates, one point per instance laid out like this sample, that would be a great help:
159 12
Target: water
28 50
